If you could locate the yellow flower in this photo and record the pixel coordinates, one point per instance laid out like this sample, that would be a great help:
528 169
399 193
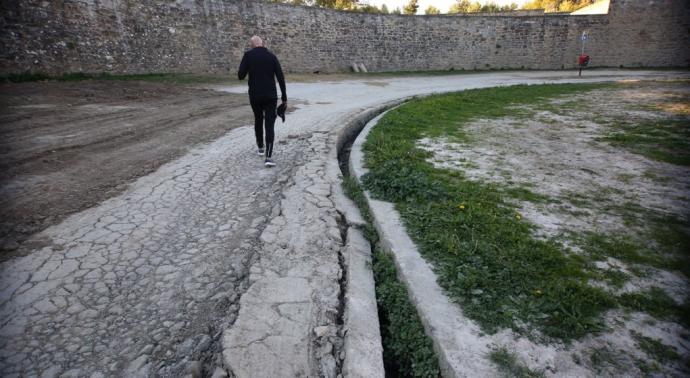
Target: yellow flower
461 206
537 292
518 216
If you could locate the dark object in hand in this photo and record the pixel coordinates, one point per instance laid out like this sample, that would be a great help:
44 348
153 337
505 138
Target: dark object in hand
281 111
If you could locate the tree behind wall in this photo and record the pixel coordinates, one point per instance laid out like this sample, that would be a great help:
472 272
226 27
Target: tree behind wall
411 7
557 5
333 4
431 10
467 6
337 4
366 8
460 6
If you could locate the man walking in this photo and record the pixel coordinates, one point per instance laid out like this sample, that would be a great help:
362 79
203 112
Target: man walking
263 68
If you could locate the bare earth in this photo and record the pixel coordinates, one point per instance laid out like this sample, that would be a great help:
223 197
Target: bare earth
68 146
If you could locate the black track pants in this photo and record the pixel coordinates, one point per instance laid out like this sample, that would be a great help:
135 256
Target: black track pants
264 110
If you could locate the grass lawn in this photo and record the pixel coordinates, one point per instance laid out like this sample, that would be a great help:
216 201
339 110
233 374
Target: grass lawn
664 141
485 254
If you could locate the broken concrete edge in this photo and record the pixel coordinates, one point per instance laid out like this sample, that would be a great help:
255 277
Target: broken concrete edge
363 346
442 320
342 136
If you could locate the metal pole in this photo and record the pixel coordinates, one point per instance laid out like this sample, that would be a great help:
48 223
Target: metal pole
584 40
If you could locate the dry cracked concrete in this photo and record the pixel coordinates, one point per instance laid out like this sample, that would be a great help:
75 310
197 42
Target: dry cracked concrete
213 265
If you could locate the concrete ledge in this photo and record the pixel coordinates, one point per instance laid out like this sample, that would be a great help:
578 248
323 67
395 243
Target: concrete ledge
454 336
363 348
343 136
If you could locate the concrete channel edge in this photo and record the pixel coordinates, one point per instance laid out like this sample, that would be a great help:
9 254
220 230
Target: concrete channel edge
443 320
363 347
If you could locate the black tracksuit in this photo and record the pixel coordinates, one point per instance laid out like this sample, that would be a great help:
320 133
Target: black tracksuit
263 68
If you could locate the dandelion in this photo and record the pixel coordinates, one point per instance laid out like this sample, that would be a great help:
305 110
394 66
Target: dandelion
461 206
537 292
518 216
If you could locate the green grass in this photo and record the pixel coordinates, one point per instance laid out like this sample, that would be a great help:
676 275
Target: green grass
522 193
645 368
655 349
484 256
637 250
662 241
651 175
407 350
664 140
612 277
603 357
658 304
509 366
624 248
564 108
173 78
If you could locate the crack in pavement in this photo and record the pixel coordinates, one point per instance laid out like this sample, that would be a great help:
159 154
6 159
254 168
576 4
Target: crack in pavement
144 282
298 265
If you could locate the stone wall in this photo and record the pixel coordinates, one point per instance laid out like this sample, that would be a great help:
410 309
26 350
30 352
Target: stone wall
140 36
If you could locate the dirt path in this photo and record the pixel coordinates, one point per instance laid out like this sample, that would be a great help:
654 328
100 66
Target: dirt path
211 262
66 147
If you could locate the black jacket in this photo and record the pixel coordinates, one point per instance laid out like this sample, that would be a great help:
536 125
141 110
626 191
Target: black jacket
262 67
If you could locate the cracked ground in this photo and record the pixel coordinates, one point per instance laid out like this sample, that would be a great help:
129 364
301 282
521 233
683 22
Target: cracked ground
211 264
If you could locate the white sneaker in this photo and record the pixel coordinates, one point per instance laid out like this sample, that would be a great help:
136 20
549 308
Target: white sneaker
260 152
269 162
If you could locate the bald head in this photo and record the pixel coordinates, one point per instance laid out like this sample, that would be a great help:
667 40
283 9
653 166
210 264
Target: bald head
256 41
